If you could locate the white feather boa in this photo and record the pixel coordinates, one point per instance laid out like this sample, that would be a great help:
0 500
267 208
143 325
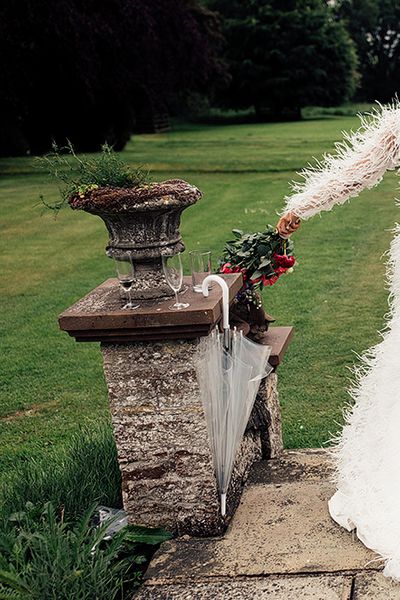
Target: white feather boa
367 453
361 160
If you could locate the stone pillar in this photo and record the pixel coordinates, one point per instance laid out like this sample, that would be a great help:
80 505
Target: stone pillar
159 424
161 435
266 417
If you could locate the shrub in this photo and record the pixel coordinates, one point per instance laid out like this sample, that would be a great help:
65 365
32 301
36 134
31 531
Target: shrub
285 55
43 557
49 546
87 70
374 25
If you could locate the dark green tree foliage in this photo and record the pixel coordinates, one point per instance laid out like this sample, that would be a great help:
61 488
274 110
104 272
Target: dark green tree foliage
285 54
375 27
82 69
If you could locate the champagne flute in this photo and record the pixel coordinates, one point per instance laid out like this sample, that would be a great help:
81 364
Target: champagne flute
200 261
173 271
126 276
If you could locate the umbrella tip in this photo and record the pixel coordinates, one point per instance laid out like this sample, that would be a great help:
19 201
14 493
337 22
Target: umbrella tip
223 505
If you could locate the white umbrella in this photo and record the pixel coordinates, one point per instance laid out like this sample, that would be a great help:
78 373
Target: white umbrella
229 371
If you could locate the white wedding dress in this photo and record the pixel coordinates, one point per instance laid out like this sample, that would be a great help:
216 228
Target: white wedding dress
367 454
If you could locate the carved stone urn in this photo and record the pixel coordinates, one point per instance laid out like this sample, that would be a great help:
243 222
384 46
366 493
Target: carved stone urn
143 222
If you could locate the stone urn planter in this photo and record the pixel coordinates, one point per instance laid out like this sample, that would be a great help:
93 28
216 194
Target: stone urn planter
143 222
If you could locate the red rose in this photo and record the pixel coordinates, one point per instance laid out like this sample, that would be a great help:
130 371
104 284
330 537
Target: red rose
273 279
290 262
270 280
281 260
226 268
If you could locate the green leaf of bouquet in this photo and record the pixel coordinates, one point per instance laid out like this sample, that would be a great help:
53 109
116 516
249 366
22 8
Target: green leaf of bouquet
264 263
262 249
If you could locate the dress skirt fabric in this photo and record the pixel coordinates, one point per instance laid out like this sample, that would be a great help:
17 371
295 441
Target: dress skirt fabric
367 454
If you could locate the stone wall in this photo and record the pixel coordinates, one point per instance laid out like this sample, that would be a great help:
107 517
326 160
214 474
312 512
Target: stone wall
160 431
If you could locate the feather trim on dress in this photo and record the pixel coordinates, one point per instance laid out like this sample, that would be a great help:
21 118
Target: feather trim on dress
360 161
367 452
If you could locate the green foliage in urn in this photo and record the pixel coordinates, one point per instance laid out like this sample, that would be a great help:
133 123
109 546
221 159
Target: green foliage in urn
78 175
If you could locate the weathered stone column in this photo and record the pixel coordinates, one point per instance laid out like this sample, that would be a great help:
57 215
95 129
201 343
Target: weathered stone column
266 415
157 414
161 435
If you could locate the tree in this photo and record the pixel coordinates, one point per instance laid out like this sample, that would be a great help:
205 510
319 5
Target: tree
83 69
285 54
375 28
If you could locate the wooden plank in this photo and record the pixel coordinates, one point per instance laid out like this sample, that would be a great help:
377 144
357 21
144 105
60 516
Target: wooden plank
129 335
149 337
98 317
278 338
101 309
134 333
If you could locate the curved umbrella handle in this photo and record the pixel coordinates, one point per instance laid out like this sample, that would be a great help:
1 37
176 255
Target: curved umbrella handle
225 296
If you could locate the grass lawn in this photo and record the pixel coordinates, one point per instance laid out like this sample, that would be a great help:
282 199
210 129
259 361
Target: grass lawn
335 298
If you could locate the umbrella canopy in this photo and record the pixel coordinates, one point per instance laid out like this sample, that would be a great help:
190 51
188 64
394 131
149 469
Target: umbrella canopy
229 371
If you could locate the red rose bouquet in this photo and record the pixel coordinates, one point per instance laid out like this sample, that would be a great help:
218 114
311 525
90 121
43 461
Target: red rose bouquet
261 257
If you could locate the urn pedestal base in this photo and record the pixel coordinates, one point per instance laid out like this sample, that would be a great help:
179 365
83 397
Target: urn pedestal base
150 282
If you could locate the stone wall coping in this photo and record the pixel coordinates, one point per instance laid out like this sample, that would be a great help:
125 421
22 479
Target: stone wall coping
279 339
99 315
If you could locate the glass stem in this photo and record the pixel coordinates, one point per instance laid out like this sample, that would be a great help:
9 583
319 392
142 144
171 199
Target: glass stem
176 297
129 297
